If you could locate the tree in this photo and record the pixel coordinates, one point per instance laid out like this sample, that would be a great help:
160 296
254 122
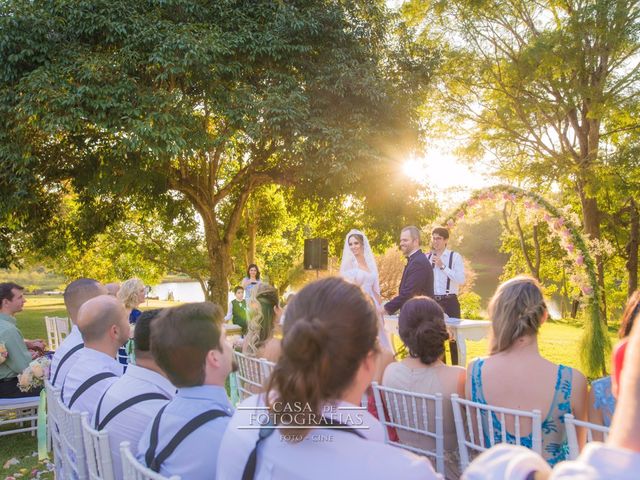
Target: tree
538 85
132 104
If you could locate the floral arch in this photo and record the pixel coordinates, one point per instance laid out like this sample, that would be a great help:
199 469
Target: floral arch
594 343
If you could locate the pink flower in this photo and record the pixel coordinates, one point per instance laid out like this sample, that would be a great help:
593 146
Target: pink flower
547 217
570 247
580 260
586 289
460 214
450 223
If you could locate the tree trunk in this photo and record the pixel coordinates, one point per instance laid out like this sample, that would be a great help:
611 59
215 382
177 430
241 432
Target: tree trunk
252 231
591 222
632 249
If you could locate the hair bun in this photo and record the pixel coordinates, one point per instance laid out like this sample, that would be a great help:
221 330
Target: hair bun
306 340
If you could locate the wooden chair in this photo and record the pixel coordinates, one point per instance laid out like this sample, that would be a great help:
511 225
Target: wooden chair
571 423
133 470
96 446
417 417
478 432
252 374
74 460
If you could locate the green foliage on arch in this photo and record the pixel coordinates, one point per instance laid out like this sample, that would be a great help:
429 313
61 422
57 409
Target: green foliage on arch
594 344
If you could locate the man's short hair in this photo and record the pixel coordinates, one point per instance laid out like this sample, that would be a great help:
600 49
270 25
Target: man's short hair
413 231
101 318
142 332
443 232
235 290
6 291
78 292
181 338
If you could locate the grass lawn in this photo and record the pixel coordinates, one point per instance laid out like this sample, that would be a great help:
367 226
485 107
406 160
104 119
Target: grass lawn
558 342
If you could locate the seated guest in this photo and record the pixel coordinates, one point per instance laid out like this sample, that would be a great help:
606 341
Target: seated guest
18 357
601 399
129 405
131 294
264 316
329 353
618 458
103 323
76 293
516 376
424 333
189 344
112 288
238 310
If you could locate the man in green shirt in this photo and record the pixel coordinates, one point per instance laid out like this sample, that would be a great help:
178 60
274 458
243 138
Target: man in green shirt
11 302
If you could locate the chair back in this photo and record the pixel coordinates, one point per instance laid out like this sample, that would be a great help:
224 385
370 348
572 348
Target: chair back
418 419
74 459
57 330
54 442
96 446
133 470
252 374
570 422
476 432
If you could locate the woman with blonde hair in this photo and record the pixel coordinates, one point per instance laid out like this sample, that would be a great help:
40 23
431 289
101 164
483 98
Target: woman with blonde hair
131 294
516 376
263 318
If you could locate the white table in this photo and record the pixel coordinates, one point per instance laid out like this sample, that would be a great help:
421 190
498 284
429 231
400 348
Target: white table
461 330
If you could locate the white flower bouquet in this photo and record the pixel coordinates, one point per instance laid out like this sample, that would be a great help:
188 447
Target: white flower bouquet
33 376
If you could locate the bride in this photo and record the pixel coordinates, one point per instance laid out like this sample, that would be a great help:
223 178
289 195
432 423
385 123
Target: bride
358 266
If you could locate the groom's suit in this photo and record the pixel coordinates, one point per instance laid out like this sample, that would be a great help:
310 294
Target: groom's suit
417 279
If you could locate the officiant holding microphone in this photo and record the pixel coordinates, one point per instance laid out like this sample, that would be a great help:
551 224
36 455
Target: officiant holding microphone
448 275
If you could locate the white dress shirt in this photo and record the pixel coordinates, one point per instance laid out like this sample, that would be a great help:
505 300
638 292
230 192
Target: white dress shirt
72 340
130 424
196 457
322 454
89 363
513 462
455 273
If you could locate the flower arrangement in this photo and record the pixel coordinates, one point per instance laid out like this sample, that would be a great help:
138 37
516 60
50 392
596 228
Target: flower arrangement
33 376
3 353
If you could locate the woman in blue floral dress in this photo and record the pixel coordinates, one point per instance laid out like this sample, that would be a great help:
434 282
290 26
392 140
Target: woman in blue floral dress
516 376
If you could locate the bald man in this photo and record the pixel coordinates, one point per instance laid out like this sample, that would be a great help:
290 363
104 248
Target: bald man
104 324
76 293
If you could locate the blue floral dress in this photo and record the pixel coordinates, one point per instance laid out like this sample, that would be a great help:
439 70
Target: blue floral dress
603 399
554 436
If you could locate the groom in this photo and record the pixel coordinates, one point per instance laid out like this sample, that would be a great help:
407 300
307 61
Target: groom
417 278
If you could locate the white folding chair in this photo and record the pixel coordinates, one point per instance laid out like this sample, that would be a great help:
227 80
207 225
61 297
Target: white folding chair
96 446
133 470
252 374
19 415
418 419
571 423
52 333
63 328
478 432
53 430
74 460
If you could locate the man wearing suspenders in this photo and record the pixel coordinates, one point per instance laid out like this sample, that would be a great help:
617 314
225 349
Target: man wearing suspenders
76 293
104 324
132 402
448 275
189 344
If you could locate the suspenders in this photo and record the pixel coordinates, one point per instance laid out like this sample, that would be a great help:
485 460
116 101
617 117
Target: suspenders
448 287
86 385
250 467
153 461
123 406
64 359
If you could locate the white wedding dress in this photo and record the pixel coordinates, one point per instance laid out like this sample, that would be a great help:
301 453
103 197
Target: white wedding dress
367 280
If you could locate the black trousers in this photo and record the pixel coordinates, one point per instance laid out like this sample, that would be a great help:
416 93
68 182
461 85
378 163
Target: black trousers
451 307
9 389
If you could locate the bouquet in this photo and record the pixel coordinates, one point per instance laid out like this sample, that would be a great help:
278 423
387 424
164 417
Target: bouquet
3 353
33 376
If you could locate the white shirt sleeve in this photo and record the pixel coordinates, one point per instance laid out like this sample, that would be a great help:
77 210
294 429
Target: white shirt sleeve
229 314
599 461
